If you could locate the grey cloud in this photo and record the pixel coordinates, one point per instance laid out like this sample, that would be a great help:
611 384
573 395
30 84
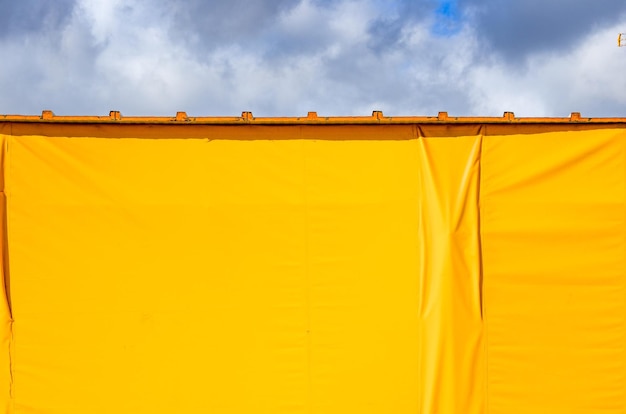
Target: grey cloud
385 34
26 16
205 24
516 29
386 31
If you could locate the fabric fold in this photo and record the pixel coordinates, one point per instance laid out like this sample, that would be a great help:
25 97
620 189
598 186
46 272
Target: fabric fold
450 308
6 322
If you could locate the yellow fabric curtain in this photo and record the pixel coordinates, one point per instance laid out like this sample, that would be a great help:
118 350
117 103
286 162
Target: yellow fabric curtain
477 272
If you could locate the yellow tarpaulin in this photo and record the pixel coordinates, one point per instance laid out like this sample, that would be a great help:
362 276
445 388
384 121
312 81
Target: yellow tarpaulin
302 269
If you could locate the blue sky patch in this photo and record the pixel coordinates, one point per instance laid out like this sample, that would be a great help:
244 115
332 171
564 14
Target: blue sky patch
447 19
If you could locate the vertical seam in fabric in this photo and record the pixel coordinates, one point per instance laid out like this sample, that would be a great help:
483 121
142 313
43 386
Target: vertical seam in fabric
6 166
5 234
483 311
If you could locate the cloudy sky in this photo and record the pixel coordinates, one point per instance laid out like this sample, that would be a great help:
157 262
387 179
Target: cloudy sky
336 57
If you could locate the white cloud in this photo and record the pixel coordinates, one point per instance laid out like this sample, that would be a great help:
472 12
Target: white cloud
123 55
585 79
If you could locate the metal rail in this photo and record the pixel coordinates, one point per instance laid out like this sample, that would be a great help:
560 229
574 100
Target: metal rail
312 118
